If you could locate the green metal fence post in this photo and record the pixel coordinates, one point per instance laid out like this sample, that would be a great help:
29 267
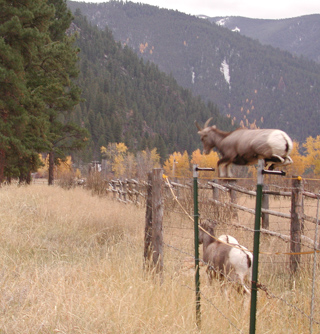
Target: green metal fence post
256 242
196 244
256 245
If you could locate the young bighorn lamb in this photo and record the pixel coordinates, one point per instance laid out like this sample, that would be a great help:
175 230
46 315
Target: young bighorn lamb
246 146
226 258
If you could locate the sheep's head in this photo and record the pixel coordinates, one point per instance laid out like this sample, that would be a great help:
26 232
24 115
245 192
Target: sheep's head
206 136
206 228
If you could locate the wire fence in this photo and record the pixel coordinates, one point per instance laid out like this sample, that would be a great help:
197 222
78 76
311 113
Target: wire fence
297 292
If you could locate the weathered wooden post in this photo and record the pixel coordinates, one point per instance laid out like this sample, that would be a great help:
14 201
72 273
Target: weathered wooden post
157 218
215 191
148 226
314 266
120 190
114 189
153 240
233 198
124 190
296 222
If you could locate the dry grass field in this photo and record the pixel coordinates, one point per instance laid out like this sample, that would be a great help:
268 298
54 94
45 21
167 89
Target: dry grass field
73 263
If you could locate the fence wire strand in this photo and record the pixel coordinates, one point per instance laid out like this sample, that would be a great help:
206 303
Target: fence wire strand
260 286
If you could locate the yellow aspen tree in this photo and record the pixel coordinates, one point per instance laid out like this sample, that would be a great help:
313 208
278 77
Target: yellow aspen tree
205 160
299 161
155 158
118 164
170 164
183 166
130 165
196 157
312 146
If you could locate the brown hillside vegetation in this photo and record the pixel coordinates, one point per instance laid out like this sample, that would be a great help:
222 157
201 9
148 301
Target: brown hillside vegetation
73 263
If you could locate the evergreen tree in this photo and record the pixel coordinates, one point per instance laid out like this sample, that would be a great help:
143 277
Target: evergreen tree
23 27
61 94
37 66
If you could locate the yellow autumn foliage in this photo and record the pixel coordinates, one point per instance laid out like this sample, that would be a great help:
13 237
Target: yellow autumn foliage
61 169
312 146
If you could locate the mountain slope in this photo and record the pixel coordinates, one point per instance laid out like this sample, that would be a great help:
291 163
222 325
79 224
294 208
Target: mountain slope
253 83
127 100
298 35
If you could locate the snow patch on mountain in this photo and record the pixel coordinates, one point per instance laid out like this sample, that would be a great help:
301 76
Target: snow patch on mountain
222 22
225 70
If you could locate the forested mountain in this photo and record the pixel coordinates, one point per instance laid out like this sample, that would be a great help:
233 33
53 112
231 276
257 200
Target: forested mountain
251 82
128 100
298 35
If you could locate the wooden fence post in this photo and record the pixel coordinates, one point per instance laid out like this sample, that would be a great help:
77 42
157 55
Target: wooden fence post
124 190
148 226
265 205
114 189
157 218
233 198
153 240
296 223
215 191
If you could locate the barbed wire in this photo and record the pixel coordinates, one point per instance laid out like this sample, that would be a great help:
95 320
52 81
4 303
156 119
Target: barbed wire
271 295
245 228
259 286
212 304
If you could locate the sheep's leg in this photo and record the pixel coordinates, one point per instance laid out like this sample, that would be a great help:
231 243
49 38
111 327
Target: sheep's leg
224 167
275 160
287 161
229 173
222 172
243 288
210 273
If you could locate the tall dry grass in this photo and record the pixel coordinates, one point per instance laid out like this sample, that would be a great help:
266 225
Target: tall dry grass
73 263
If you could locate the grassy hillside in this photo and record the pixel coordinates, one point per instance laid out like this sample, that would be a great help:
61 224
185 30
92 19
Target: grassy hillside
72 263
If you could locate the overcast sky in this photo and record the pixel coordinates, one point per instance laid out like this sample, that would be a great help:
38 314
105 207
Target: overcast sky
271 9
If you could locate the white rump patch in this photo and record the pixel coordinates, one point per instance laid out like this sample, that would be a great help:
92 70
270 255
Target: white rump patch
279 140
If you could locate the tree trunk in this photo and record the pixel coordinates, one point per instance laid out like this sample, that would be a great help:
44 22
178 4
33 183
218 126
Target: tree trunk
51 169
2 163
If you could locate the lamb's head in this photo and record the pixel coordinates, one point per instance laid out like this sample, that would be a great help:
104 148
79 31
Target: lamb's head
207 136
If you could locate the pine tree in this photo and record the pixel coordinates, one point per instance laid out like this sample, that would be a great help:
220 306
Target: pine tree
61 94
23 27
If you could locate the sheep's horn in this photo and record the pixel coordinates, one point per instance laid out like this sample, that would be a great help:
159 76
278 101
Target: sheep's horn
206 124
197 125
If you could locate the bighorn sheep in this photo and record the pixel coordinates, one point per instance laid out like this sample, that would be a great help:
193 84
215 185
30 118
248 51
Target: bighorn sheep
246 146
224 262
